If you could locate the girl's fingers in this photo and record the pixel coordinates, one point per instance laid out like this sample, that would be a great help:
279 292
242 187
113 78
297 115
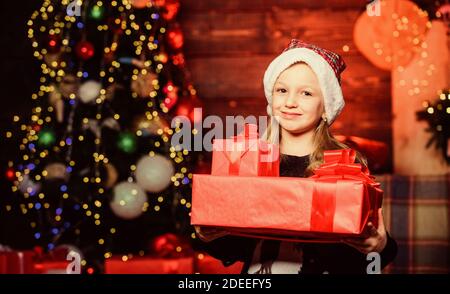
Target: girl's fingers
372 230
380 219
209 234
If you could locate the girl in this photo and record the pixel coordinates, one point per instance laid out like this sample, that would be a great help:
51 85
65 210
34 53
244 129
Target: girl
302 87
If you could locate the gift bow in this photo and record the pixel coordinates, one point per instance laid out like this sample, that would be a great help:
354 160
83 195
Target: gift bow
341 164
239 144
338 164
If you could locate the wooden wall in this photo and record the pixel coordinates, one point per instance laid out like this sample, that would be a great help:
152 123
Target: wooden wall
229 44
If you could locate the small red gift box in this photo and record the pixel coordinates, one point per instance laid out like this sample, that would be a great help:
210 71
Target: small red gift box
17 262
245 155
337 201
150 265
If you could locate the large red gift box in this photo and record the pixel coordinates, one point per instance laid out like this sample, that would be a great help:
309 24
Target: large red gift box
150 265
245 155
337 201
17 262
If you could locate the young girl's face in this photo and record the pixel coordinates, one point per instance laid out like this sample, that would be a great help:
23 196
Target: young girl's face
297 99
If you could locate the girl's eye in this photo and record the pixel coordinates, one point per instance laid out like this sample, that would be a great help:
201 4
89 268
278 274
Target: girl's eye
281 90
306 93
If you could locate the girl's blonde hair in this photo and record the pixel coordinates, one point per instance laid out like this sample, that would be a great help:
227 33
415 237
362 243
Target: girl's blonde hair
322 140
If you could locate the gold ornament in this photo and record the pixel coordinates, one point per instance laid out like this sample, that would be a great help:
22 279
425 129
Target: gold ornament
68 85
153 127
111 176
56 171
143 85
55 100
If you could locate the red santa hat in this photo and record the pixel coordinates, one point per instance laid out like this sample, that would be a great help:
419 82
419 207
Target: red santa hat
327 66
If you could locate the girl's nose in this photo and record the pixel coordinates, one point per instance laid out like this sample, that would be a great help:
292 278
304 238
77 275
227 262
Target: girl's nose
291 101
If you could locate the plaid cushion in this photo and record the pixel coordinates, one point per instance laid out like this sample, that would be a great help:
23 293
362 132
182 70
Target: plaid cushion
416 212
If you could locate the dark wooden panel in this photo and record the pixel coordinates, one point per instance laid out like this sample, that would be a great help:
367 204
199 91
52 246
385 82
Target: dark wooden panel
266 32
212 33
229 76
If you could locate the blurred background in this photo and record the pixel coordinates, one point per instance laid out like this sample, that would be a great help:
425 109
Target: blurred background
87 102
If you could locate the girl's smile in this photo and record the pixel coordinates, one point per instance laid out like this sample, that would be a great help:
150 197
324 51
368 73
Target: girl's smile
289 115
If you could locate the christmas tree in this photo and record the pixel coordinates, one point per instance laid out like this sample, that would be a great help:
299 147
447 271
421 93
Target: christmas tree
95 168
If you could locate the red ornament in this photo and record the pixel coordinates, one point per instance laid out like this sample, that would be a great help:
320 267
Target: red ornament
178 60
171 9
175 37
84 50
53 44
171 92
10 174
170 102
169 245
186 107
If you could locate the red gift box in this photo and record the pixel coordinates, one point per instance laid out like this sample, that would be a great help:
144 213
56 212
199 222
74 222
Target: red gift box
245 155
17 262
52 267
205 264
150 265
337 201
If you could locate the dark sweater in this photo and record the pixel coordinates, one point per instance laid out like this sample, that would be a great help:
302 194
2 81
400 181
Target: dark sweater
317 258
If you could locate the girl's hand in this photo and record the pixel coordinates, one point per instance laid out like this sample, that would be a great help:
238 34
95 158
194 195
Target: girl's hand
208 234
375 242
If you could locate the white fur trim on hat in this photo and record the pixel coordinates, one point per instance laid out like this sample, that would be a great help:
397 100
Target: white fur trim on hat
329 84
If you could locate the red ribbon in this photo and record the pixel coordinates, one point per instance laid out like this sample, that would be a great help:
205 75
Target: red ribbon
250 132
338 164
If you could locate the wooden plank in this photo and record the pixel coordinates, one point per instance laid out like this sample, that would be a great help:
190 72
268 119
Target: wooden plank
231 77
213 33
242 76
358 67
266 32
232 106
